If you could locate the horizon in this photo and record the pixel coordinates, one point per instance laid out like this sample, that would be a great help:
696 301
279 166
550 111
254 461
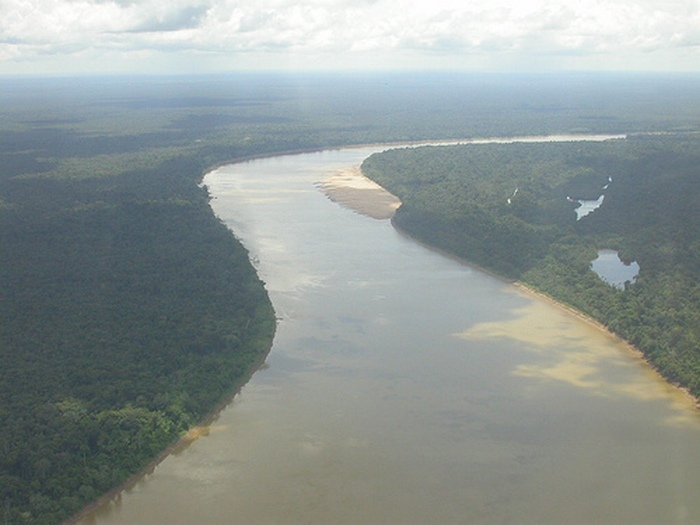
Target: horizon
475 75
147 37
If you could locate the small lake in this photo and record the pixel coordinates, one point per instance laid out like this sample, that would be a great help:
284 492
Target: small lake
588 206
405 387
612 270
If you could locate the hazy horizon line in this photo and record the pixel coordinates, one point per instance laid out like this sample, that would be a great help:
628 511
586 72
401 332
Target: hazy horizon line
370 72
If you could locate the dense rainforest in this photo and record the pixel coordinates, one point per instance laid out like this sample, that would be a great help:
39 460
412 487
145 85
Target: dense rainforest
128 311
510 208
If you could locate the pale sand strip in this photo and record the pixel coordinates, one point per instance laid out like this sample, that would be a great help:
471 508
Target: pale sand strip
351 189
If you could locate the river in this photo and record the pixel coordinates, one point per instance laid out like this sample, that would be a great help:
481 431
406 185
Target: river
404 387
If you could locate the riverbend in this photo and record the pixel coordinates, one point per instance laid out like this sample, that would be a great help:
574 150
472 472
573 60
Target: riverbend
406 387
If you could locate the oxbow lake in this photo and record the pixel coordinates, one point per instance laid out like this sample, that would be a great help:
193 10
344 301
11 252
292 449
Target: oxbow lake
404 387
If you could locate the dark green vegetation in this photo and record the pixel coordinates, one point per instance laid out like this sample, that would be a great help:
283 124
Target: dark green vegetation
457 198
127 311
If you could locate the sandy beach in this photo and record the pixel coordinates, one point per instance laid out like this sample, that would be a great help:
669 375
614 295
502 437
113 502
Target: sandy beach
351 189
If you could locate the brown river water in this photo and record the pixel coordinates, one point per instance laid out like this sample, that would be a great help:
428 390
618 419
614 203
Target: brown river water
405 387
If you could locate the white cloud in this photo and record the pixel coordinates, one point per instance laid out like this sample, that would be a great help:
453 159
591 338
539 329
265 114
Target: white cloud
346 33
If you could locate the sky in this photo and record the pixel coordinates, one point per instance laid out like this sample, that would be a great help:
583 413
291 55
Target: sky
47 37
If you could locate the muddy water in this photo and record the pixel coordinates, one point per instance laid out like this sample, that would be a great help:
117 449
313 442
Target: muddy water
404 387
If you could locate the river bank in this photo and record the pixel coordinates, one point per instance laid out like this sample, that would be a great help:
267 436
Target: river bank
192 435
635 352
370 390
348 187
352 189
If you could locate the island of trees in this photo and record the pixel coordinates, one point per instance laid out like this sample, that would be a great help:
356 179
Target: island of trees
510 208
128 312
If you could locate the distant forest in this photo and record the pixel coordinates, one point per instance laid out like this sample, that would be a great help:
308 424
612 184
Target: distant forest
128 312
463 199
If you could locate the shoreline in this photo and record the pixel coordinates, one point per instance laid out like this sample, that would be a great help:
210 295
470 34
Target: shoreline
180 444
632 350
526 289
556 137
350 186
201 429
354 190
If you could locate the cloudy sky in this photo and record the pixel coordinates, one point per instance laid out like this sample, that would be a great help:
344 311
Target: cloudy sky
192 36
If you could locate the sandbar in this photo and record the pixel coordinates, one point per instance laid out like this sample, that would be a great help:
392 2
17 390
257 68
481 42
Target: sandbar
351 189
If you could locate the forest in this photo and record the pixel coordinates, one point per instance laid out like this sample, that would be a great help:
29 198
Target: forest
463 199
128 311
